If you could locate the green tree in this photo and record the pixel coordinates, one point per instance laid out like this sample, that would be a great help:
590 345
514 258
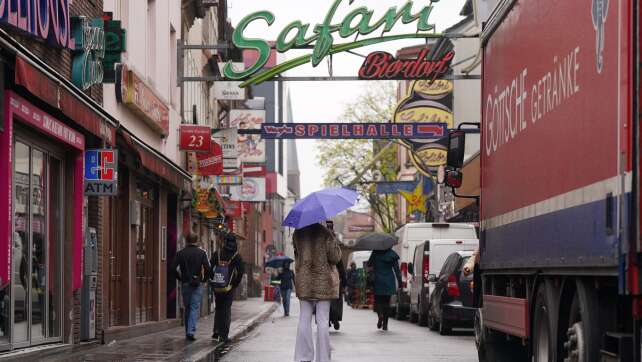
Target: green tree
351 162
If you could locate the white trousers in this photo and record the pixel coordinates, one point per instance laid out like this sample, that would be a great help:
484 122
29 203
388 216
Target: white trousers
304 350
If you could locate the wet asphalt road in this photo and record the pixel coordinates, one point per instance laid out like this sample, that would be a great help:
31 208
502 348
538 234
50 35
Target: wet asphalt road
358 340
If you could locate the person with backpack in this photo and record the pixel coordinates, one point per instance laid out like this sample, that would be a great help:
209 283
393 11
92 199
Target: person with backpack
227 273
194 267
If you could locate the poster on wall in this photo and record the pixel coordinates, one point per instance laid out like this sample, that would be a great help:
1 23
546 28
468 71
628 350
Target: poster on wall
252 190
251 148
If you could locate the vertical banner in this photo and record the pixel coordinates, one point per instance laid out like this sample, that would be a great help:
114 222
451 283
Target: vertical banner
251 148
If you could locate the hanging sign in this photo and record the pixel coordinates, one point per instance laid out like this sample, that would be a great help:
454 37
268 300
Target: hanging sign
233 208
227 138
89 45
115 45
428 103
211 163
251 148
46 19
431 131
101 172
230 91
136 95
395 187
228 180
384 66
416 200
357 23
195 138
252 190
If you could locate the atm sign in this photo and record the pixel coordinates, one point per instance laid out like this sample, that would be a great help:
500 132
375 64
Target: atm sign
101 172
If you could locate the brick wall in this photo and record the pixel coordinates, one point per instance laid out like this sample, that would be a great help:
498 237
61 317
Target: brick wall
60 59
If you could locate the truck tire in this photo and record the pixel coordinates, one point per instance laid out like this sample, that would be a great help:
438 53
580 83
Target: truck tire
582 342
414 317
544 341
495 347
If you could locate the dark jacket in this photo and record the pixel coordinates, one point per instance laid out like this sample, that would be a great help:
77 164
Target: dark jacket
236 264
343 282
287 278
192 261
386 269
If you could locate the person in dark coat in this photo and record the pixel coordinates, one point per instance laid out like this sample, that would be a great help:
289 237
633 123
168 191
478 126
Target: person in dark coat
385 266
223 312
286 277
194 268
351 282
336 306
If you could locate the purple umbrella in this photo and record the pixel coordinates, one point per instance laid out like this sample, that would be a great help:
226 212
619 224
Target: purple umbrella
320 206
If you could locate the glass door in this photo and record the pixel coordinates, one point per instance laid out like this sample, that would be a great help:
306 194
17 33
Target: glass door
36 252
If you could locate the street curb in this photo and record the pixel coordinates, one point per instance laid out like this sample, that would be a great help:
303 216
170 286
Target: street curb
244 329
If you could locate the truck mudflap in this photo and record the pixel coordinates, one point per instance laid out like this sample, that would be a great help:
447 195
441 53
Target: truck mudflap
508 315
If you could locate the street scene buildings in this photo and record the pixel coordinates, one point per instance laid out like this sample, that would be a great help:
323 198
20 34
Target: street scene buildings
191 180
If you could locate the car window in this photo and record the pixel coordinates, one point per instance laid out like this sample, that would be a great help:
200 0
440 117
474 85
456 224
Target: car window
450 265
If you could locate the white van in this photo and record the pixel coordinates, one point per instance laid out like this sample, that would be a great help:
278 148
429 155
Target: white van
411 235
429 258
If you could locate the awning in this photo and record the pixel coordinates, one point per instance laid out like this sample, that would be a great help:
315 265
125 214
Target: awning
57 96
157 163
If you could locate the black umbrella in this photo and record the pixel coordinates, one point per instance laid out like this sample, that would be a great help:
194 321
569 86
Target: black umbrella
375 241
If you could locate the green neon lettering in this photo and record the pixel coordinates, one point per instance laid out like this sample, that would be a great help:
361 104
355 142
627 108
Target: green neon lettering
242 43
347 29
283 45
324 43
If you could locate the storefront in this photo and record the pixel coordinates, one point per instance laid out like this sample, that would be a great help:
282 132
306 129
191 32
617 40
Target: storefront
41 241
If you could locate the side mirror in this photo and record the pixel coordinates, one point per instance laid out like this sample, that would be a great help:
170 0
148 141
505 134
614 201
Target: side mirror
432 278
411 269
456 149
454 178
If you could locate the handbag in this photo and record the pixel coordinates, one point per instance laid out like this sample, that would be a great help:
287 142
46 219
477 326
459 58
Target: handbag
222 276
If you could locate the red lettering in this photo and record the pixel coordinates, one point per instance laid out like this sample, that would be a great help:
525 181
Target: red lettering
299 130
394 131
345 132
407 130
372 130
12 14
324 130
334 130
383 130
357 129
381 65
107 172
312 130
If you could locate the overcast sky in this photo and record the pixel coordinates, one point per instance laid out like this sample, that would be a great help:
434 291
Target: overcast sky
325 101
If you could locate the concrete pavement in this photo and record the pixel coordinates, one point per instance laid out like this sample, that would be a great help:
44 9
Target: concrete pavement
358 340
170 345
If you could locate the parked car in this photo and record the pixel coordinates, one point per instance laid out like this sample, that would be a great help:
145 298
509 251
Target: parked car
411 235
429 257
451 302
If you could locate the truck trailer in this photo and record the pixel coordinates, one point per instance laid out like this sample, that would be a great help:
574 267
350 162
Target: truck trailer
560 247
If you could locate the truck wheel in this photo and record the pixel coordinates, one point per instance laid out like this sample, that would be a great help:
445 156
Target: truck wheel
544 325
494 347
582 341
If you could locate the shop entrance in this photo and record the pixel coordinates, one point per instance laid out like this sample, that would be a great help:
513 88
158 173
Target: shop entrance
145 252
35 300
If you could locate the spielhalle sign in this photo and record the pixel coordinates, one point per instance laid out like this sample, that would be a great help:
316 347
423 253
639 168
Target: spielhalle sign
353 130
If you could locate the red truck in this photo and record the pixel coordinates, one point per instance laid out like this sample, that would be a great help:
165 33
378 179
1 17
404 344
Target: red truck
560 247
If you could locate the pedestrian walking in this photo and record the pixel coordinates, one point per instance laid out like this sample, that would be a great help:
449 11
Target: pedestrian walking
384 264
351 282
286 277
336 306
316 253
194 267
227 272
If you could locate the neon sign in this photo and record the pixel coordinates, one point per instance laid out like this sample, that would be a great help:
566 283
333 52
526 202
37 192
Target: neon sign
384 66
46 19
89 37
296 34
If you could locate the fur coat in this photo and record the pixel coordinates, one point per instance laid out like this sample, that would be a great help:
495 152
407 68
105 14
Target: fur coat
316 254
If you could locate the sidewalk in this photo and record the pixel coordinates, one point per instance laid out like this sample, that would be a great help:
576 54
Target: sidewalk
170 345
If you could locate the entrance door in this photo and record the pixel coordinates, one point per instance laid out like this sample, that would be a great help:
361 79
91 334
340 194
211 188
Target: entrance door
36 283
145 254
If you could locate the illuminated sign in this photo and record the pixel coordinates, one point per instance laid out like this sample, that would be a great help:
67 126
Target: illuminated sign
428 102
101 172
384 66
115 45
353 130
46 19
89 41
357 23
